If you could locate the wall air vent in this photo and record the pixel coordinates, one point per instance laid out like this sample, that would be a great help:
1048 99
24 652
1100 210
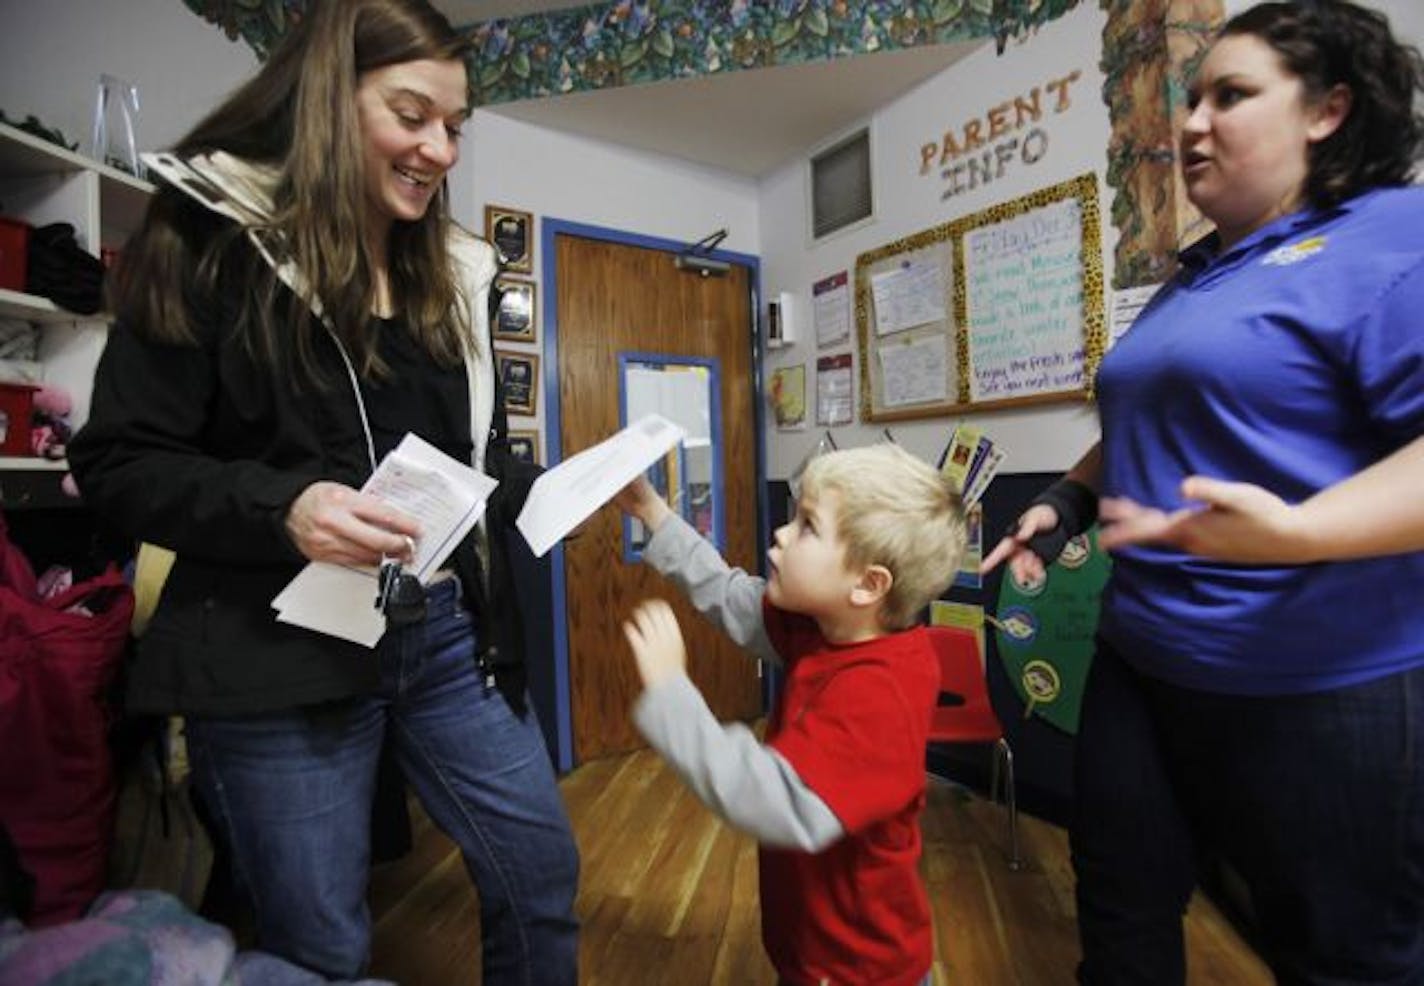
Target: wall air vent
840 185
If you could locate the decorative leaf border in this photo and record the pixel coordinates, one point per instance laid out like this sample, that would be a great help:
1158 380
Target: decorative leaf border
626 42
635 41
261 23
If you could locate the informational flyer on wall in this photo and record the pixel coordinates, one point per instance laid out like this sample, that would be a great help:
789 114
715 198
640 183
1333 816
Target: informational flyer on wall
968 576
834 390
788 397
1127 304
915 372
966 616
830 307
909 294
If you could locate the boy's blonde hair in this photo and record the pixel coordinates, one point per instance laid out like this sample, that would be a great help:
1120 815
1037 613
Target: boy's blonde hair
897 511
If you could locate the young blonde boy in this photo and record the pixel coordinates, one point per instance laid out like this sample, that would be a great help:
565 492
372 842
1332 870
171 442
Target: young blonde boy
834 795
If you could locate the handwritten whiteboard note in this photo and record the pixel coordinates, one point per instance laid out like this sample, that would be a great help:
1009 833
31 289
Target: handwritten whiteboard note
916 372
1024 290
909 294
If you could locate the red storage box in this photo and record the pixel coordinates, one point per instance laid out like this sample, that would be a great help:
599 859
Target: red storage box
14 247
17 404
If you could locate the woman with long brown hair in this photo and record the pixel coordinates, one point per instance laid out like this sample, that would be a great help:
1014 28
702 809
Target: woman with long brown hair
296 302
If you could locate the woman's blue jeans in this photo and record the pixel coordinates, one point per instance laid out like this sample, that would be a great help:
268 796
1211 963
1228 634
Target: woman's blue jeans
1316 801
292 793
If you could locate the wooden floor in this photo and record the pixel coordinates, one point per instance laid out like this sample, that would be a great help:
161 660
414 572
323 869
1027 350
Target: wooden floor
668 894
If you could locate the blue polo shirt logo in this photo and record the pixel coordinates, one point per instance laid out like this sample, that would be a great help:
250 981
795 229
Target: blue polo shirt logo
1294 253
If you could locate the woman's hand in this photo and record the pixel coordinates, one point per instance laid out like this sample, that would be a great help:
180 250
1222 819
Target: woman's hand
1024 563
640 500
332 522
1235 522
656 639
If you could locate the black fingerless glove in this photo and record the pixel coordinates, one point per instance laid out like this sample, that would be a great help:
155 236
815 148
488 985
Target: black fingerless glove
1077 509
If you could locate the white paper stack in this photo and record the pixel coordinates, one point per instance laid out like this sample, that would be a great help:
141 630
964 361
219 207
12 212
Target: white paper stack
444 495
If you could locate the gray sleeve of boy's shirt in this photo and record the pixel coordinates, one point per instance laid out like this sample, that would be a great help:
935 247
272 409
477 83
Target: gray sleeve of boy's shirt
750 785
727 596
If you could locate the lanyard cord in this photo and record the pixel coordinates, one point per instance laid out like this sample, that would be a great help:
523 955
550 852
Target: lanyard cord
360 403
345 359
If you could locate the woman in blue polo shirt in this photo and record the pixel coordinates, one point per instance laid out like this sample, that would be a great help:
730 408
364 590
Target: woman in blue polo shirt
1258 691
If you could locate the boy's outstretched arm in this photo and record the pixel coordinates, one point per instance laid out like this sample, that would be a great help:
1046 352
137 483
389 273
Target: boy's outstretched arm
746 783
727 596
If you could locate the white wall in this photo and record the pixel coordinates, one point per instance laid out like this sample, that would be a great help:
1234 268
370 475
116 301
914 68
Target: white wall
564 176
567 177
53 52
907 202
1406 17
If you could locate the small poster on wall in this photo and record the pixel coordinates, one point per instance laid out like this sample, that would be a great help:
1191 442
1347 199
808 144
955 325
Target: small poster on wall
830 309
909 294
788 396
835 404
1127 304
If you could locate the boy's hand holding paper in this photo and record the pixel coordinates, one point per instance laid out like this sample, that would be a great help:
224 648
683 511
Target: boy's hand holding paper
566 495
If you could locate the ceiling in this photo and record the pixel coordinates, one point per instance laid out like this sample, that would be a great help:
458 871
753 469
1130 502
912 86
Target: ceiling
747 122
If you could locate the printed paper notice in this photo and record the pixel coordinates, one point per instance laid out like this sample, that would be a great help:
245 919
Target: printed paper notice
968 576
834 390
788 396
1127 304
830 306
966 616
910 294
915 372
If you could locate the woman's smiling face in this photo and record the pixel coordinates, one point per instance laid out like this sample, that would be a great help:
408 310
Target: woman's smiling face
410 115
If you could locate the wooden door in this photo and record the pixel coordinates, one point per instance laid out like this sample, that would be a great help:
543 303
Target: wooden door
612 299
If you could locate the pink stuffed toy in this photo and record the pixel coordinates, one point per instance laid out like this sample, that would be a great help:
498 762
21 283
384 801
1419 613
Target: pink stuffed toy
49 421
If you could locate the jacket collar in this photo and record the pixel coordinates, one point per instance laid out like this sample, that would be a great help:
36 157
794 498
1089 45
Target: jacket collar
243 191
240 190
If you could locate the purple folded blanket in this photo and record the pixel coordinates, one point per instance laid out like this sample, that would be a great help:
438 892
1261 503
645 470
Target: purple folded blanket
140 938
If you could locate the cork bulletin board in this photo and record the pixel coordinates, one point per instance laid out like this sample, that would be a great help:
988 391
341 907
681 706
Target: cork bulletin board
999 308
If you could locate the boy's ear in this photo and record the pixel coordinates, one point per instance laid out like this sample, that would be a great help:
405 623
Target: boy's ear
873 586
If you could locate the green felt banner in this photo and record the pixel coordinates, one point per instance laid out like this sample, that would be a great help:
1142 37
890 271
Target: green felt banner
1045 631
